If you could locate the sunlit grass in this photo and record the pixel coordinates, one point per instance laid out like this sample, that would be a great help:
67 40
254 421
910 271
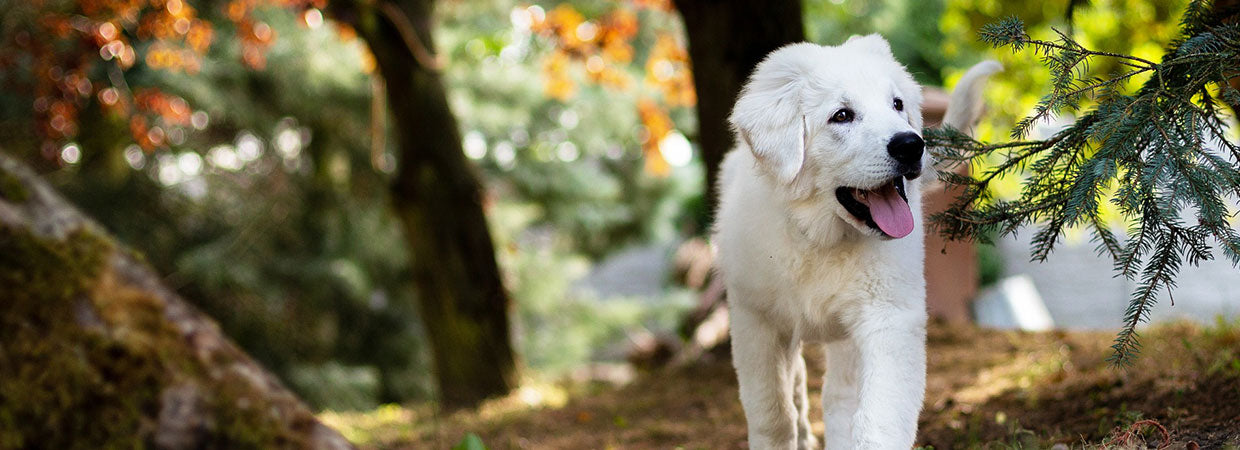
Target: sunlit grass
390 424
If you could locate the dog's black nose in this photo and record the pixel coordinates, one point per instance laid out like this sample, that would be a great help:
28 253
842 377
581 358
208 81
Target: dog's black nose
906 149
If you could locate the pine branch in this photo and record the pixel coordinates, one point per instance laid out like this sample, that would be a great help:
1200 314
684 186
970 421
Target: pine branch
1150 145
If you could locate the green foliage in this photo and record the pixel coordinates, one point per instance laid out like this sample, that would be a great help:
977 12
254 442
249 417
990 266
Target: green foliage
558 326
1157 155
351 388
1221 345
470 442
989 264
915 41
580 162
296 251
568 177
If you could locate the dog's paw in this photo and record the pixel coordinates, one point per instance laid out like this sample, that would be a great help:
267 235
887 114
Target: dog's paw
807 442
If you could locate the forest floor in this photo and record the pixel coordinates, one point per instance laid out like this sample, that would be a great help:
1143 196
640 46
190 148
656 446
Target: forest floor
986 389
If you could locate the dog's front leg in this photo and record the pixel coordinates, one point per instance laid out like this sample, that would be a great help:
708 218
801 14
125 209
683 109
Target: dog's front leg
764 369
800 397
839 394
891 346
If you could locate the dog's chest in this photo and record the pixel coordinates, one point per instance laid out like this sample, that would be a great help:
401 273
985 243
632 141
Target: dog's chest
822 289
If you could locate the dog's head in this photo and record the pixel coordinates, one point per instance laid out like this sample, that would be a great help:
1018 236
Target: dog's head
842 121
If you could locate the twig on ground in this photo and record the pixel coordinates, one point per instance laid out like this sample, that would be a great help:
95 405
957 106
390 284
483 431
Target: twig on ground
1127 437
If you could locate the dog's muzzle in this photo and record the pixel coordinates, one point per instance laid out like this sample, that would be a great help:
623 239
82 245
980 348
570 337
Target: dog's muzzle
906 149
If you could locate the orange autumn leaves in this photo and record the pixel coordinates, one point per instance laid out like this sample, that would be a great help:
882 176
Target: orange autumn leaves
74 55
668 70
255 35
70 54
602 49
178 38
157 111
601 46
657 126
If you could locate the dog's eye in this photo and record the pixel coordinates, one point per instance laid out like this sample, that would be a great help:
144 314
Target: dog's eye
899 104
842 116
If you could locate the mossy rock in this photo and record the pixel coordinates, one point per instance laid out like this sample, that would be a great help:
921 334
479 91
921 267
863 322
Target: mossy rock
96 354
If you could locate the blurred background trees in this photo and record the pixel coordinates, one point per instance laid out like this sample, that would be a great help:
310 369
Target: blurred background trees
721 64
246 149
252 166
437 196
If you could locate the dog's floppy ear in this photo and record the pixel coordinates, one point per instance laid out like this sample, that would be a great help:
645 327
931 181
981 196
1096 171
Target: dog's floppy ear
768 114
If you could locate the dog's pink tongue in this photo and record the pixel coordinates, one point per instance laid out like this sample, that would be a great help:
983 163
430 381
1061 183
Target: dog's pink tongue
890 211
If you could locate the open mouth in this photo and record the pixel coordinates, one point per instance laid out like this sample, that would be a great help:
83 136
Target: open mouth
884 208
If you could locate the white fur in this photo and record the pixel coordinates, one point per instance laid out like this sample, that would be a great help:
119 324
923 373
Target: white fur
798 267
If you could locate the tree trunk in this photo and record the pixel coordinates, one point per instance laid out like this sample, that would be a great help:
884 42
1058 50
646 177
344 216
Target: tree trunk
96 353
726 40
438 197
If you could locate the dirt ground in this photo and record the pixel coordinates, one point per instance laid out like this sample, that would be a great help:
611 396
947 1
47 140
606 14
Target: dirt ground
986 389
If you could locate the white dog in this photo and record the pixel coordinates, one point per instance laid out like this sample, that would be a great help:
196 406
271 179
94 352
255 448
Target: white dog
819 235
